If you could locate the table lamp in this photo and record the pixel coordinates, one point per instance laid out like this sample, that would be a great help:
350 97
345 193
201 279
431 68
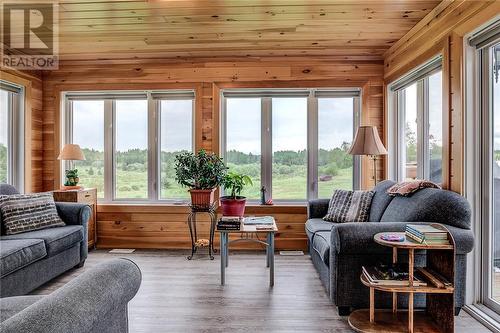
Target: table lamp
71 152
367 142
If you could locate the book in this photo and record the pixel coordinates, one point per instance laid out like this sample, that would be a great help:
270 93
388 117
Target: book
264 227
392 275
254 220
228 227
431 234
231 219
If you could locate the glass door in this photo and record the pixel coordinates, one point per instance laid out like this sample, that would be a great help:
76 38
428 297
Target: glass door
490 91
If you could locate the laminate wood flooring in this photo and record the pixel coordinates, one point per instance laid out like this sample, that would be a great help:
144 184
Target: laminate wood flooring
178 295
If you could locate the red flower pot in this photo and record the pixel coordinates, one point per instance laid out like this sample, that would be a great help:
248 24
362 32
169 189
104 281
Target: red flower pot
233 207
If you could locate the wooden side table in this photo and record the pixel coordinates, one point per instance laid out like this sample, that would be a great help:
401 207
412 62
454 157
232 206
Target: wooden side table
87 196
439 314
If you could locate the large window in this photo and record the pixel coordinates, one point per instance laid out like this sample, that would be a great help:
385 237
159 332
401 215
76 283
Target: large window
130 140
11 134
293 143
417 123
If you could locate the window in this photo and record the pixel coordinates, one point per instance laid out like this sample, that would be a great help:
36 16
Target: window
11 134
417 117
130 140
292 142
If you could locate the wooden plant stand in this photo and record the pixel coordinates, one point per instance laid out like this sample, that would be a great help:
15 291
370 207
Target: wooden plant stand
439 313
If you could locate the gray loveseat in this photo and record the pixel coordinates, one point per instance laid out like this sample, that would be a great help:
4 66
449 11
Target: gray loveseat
30 259
94 302
339 250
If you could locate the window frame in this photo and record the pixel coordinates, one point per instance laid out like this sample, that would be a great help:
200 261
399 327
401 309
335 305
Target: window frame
312 95
15 133
153 98
397 110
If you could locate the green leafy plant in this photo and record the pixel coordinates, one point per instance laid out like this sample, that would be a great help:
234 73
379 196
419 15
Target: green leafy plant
72 178
235 182
201 171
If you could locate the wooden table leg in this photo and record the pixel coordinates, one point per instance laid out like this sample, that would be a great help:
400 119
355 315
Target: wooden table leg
410 312
372 305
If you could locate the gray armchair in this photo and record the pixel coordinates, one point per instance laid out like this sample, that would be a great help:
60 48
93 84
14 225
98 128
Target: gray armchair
30 259
96 301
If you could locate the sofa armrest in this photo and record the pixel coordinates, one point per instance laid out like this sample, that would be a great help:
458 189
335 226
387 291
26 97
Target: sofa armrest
74 213
95 301
317 208
357 237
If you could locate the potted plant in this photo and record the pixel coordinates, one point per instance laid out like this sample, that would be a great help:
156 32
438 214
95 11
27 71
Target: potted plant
202 173
234 204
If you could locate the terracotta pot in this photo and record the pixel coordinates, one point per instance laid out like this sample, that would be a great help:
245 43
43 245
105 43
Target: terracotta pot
233 207
202 198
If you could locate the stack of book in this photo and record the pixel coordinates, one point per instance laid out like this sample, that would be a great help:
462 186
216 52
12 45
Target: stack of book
427 234
229 223
392 275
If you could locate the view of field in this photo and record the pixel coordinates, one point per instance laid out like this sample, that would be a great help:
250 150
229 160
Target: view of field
289 173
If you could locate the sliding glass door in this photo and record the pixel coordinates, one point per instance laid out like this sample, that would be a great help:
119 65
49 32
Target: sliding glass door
490 100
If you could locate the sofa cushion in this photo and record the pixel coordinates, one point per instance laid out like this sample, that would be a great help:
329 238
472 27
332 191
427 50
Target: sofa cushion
27 212
56 239
430 205
321 244
349 206
315 225
406 189
18 253
10 306
380 200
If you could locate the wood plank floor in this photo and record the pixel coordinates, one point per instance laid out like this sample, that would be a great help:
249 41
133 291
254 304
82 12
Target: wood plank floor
178 295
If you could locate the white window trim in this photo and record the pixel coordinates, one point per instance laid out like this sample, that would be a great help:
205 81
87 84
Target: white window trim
153 98
474 180
15 137
312 132
397 124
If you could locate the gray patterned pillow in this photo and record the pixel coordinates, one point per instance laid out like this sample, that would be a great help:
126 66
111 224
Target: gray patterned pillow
28 212
349 206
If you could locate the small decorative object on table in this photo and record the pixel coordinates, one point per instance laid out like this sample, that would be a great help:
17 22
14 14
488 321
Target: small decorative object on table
71 152
393 237
432 280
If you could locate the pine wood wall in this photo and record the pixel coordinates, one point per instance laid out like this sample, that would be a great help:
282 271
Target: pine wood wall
442 31
165 227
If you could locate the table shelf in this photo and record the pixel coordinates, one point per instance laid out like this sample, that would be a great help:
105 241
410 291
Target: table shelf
407 289
388 322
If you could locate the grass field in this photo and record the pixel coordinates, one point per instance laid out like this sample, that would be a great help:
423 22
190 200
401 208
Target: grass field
134 185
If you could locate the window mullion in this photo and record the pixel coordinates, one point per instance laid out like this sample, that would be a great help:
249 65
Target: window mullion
109 150
425 129
267 145
401 124
153 151
312 146
356 182
420 131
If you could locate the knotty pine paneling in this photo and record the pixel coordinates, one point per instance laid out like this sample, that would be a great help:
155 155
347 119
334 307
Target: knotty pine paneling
32 83
443 28
165 226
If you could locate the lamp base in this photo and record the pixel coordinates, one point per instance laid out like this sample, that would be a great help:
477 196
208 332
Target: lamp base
71 188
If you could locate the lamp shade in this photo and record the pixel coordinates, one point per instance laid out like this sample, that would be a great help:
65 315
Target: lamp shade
71 152
367 142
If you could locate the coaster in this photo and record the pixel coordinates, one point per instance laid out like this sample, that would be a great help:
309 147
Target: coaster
122 251
393 237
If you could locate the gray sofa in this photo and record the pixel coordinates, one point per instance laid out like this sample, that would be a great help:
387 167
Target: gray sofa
339 250
30 259
96 301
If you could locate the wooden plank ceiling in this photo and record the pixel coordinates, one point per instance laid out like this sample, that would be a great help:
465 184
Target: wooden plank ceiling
348 29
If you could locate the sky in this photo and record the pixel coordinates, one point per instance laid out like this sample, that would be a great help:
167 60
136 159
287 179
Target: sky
289 121
131 124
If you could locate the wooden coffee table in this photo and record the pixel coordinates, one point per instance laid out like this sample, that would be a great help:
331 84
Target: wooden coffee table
247 233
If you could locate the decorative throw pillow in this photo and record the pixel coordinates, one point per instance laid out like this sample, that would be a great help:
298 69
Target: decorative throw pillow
28 212
406 189
349 206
